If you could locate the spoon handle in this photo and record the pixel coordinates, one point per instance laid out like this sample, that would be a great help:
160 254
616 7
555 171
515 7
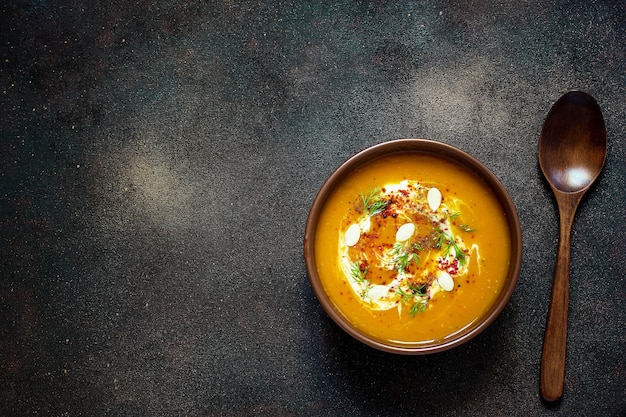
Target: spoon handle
555 339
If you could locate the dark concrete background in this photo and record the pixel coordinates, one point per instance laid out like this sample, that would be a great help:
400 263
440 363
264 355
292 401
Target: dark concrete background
158 161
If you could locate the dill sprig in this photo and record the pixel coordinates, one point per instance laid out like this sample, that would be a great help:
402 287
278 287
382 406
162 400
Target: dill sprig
464 227
357 273
417 294
454 215
403 256
372 203
446 242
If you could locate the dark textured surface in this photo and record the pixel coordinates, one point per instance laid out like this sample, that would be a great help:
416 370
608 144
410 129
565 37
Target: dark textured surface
159 160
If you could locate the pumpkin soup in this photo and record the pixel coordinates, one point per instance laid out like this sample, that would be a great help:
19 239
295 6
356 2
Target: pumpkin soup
412 248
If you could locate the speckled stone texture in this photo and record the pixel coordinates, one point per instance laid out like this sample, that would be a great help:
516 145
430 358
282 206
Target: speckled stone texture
158 161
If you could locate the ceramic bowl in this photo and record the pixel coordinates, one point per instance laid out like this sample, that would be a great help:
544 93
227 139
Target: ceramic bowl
440 150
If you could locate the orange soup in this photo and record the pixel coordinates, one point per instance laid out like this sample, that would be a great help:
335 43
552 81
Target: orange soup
412 248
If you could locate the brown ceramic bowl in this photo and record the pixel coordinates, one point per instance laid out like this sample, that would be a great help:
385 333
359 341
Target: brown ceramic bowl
443 151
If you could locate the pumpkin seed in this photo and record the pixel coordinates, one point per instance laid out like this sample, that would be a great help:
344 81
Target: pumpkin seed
445 281
353 234
434 198
405 232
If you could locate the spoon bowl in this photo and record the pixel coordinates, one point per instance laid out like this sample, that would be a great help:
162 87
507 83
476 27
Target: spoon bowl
572 151
573 143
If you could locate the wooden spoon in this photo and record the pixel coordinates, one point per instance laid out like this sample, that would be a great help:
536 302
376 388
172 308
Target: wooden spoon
572 150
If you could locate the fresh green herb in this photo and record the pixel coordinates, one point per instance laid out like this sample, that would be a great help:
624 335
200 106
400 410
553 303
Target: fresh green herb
459 253
402 256
454 215
464 227
417 294
446 242
441 239
357 273
372 204
419 307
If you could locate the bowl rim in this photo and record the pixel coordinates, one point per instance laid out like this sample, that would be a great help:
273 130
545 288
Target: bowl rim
424 146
